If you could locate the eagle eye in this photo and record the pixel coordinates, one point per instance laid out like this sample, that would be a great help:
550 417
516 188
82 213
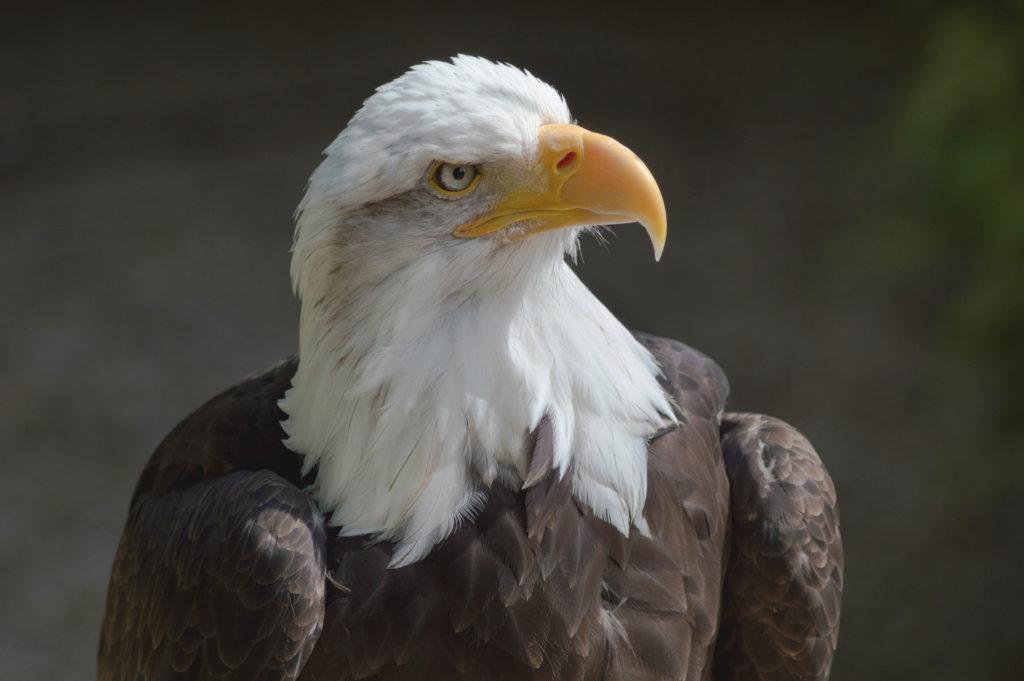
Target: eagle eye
454 178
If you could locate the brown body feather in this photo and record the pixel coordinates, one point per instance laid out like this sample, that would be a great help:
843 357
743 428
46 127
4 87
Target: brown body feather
781 609
226 571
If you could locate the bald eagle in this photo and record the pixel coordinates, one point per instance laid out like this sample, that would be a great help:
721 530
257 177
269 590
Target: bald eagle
472 470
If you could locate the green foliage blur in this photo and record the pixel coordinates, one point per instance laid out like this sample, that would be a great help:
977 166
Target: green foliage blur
961 127
955 241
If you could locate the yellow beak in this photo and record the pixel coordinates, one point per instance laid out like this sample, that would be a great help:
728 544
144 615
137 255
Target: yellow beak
579 178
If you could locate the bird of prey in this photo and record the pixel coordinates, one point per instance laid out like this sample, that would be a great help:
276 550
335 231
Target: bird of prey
472 470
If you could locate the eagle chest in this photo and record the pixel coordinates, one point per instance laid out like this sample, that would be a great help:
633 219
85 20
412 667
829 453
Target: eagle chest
537 587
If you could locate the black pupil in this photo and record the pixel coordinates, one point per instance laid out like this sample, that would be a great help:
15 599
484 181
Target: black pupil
458 172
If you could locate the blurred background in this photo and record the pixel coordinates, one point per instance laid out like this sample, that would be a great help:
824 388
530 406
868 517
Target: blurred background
845 190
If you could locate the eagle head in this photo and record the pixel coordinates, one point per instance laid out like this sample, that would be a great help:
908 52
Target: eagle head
440 322
469 156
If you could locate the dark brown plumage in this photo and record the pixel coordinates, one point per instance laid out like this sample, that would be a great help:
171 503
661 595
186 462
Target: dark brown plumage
225 569
781 608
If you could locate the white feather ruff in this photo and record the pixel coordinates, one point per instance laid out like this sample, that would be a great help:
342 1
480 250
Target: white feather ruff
426 361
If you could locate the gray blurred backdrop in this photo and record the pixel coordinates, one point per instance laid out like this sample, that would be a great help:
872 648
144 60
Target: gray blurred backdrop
843 188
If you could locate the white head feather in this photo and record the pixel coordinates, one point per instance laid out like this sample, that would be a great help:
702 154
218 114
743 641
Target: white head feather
425 361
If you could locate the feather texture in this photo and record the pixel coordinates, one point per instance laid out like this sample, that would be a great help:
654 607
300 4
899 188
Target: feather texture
785 574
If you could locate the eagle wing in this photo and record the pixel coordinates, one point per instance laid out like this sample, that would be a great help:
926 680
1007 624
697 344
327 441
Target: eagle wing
780 607
220 572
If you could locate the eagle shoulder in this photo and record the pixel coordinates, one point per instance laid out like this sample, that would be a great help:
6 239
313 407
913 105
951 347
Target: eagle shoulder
220 571
693 380
237 429
780 610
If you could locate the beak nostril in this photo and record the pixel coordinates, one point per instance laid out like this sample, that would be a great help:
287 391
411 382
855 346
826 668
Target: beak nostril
567 161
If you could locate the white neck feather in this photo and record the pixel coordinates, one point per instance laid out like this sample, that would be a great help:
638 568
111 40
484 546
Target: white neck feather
412 400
